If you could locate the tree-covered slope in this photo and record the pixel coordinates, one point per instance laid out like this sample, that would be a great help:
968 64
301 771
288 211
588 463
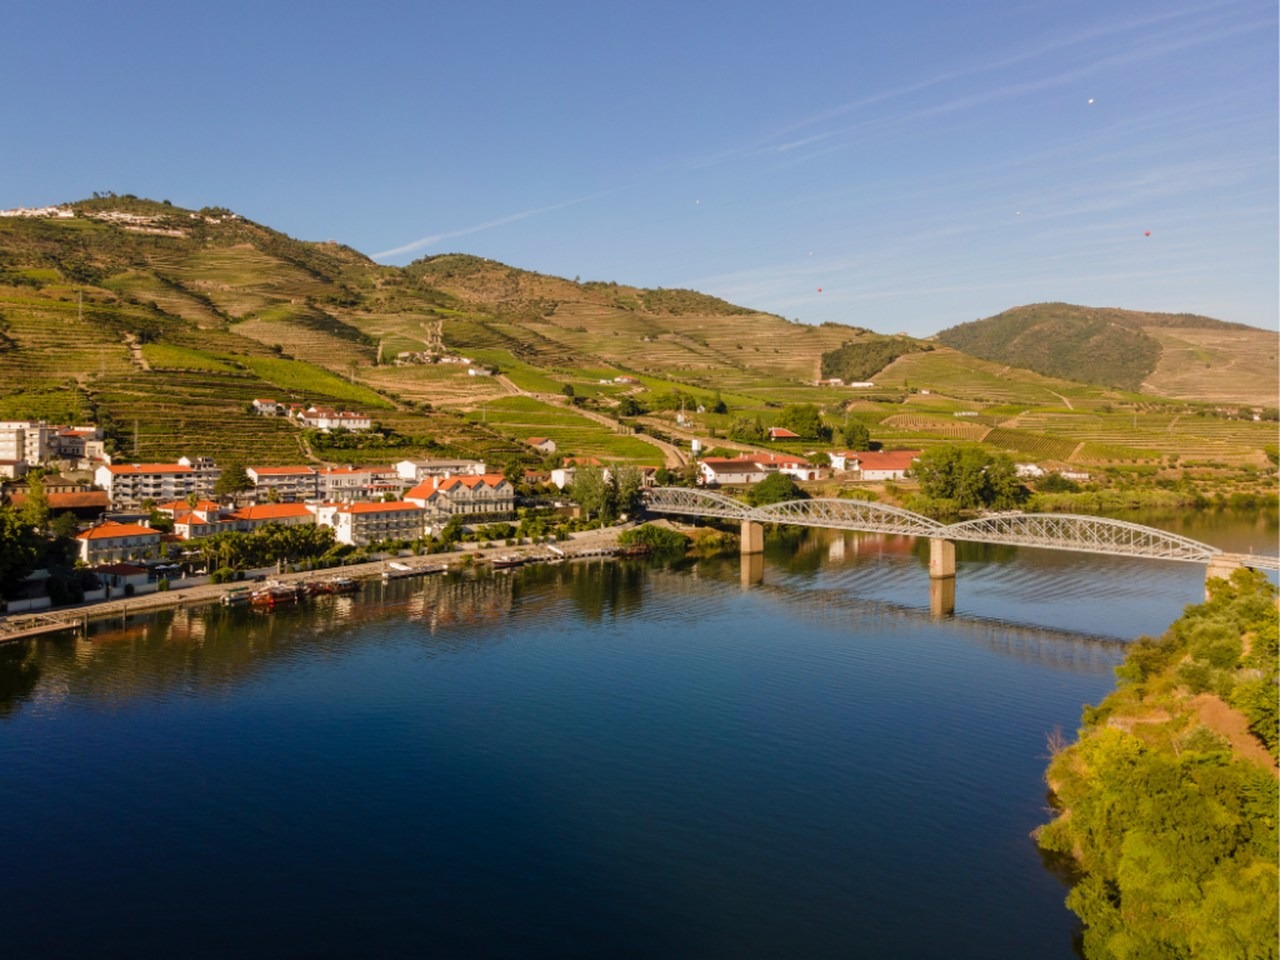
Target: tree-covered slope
1167 805
1109 347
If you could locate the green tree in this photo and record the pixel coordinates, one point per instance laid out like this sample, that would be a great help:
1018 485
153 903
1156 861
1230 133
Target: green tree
568 390
35 509
855 435
775 488
20 547
745 430
804 420
594 493
232 480
969 476
513 472
628 483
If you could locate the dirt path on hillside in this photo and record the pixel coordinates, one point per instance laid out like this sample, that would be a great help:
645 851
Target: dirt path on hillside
1229 722
135 352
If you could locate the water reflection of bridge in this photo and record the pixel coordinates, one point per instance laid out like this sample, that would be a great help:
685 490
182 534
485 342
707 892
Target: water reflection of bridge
1078 652
1049 531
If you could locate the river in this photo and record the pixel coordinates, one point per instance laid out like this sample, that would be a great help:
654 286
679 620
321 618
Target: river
618 759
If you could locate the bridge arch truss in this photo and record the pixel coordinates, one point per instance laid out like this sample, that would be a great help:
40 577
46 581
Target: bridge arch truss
1051 531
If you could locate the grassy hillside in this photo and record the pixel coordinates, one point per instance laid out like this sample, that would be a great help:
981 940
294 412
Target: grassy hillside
164 323
1182 355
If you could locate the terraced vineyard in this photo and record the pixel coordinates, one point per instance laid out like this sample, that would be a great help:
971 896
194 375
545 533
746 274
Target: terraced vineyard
950 429
158 418
1190 437
178 333
522 417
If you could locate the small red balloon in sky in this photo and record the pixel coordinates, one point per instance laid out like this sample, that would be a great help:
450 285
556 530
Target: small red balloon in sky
819 289
1146 233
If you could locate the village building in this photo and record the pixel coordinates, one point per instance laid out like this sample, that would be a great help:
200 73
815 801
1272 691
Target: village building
563 475
130 484
123 578
782 433
415 471
111 541
875 464
359 524
542 444
248 519
194 521
268 408
289 483
357 483
327 419
488 494
752 468
86 505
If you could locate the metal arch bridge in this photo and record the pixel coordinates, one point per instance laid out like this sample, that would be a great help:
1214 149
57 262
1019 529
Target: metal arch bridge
1051 531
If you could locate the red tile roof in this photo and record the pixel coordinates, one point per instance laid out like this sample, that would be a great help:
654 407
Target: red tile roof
111 529
122 468
272 511
181 506
120 569
69 501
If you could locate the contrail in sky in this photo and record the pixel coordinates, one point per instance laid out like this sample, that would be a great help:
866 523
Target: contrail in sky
487 225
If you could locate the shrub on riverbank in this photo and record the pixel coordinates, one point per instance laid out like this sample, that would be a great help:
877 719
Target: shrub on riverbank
1167 805
657 539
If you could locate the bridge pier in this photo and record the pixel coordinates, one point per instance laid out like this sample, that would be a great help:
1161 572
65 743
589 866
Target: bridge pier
942 558
752 537
752 571
1220 568
942 596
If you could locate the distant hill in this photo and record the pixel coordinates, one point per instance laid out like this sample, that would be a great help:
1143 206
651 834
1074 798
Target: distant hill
1181 355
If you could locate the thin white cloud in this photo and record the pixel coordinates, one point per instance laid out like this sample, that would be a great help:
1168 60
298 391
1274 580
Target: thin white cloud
433 239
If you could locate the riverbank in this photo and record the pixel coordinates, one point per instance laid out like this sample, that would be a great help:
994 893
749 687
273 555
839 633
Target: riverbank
587 543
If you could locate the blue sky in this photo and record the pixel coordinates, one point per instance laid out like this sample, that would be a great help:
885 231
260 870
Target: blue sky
900 166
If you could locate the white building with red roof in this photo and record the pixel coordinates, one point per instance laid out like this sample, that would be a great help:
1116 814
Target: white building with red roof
129 484
327 418
487 494
111 541
290 483
754 467
363 523
876 464
288 514
357 483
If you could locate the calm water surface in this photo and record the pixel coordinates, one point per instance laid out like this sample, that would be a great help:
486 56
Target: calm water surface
590 760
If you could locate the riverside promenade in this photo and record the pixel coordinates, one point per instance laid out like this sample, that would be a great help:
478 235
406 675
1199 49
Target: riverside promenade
587 543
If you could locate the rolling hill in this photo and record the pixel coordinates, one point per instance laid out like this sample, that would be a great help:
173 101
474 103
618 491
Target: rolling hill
1178 355
163 324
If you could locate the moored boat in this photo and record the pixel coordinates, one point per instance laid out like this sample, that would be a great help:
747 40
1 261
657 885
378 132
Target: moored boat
274 593
235 597
336 585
